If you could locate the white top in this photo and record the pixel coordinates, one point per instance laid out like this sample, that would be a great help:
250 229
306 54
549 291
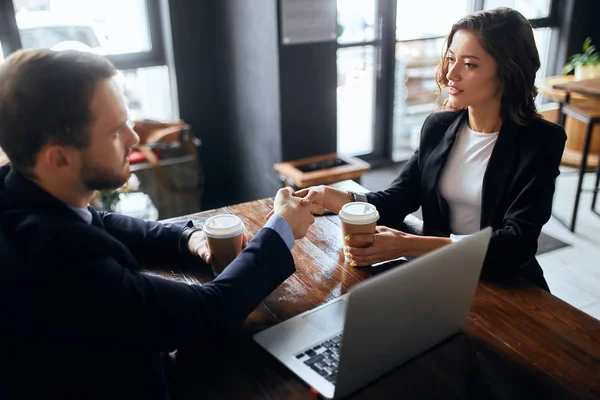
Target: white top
462 178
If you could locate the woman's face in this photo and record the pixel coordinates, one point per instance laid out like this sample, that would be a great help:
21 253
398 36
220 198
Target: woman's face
472 73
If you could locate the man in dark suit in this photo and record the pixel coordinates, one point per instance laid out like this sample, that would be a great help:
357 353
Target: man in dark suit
78 318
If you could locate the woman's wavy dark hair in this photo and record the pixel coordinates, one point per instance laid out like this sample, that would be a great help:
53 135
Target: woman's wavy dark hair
508 37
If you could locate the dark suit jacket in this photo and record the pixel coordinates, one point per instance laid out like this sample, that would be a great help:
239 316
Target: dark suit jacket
78 319
517 190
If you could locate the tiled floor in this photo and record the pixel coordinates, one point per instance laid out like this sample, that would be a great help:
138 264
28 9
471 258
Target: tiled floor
573 272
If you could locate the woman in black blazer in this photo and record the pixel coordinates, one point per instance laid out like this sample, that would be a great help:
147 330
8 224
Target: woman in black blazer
491 161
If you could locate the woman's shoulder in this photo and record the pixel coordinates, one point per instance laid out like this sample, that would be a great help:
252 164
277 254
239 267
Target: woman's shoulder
442 118
540 127
439 121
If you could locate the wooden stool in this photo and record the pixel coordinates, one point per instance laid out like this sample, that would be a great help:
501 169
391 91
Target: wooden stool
319 170
589 114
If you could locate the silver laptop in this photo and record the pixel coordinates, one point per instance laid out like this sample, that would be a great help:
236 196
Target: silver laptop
382 322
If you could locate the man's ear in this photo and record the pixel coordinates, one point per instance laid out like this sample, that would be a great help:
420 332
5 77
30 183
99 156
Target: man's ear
55 156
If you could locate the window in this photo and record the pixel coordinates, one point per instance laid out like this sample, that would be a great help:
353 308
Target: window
127 32
531 9
148 93
356 84
355 97
411 22
107 26
356 20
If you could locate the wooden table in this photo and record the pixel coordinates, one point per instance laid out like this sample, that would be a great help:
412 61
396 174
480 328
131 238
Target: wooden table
588 88
519 342
564 89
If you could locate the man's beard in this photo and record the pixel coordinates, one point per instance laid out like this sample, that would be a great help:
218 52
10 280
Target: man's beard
101 178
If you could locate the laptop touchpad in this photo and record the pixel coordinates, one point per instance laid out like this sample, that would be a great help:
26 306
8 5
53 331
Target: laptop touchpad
329 319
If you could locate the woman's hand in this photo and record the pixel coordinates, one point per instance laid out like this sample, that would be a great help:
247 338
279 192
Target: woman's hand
386 244
324 196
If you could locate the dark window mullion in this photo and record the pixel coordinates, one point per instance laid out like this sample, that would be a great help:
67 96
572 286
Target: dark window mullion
135 60
156 31
546 22
384 84
420 39
373 43
9 32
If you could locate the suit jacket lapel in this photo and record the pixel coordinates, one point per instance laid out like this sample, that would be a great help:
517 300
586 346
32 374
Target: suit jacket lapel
434 166
498 171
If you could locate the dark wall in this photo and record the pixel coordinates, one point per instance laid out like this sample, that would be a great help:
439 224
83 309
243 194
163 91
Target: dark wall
308 80
250 83
252 101
201 101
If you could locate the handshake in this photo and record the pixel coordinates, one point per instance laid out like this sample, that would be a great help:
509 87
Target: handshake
359 226
298 208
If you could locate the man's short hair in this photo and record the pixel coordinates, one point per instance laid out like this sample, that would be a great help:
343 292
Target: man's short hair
45 97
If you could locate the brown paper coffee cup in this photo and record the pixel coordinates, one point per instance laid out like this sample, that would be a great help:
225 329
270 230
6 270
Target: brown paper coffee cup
225 237
358 217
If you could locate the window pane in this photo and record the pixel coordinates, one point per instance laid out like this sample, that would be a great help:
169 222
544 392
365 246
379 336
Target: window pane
355 96
529 8
411 22
1 53
415 92
148 93
106 27
543 40
356 20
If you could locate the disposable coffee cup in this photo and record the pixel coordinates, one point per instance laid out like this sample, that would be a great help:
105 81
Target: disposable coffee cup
225 237
358 217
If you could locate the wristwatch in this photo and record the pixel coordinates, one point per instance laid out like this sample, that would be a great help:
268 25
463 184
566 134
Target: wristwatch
358 197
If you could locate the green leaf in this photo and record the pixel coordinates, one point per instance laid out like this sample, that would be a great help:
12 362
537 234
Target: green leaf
586 44
590 50
568 68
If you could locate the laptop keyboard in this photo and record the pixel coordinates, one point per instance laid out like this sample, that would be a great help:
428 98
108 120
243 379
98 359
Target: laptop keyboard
324 357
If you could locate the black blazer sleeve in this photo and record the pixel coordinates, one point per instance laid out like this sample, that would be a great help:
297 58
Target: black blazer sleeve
100 299
531 192
404 194
151 243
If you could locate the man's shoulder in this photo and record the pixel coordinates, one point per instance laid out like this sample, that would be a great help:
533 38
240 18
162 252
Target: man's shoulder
48 236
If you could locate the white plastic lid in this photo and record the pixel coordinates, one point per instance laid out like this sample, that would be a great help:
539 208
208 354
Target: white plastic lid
223 226
359 213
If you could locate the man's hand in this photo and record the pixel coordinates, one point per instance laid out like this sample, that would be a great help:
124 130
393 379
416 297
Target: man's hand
198 246
324 196
298 214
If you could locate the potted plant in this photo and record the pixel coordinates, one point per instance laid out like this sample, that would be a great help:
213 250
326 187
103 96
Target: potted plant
586 64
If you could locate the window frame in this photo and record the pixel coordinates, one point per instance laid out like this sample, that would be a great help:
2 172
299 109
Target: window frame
156 56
